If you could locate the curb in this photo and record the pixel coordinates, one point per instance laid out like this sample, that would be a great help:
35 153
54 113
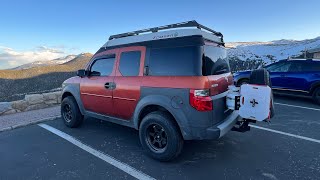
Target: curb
29 123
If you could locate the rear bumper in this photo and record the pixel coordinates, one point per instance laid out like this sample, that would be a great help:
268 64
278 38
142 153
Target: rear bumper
213 132
224 127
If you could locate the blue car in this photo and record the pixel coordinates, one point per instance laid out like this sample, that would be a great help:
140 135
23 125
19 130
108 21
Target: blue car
293 76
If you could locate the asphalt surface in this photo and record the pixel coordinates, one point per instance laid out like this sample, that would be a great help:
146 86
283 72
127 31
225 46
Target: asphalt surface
33 152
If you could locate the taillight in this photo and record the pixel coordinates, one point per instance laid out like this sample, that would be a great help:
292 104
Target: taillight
200 100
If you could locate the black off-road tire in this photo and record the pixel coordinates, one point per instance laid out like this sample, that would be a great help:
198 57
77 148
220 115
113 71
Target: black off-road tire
174 138
70 112
260 77
316 95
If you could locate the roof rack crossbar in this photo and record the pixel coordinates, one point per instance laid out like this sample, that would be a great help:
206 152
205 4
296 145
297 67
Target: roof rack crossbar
170 26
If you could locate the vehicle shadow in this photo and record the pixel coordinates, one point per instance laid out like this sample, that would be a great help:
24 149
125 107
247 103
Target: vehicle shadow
124 138
295 100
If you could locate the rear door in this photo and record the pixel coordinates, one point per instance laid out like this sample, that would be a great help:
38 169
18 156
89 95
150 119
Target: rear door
128 79
297 77
216 68
97 88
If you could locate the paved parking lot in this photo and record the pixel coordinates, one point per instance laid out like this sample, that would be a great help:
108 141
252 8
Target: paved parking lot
101 150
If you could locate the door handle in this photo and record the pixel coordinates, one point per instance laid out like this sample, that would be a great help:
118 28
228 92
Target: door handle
110 85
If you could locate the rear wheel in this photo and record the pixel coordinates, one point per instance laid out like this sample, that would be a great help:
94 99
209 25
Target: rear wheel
70 112
316 95
160 137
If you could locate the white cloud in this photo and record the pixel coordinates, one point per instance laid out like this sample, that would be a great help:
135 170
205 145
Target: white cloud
13 63
10 58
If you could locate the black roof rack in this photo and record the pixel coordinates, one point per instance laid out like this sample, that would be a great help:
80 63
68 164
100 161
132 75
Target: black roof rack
170 26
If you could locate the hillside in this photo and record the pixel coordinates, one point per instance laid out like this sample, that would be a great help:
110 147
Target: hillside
250 55
77 63
16 83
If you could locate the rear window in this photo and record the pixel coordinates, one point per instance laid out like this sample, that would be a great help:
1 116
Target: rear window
312 66
176 61
297 66
130 63
214 61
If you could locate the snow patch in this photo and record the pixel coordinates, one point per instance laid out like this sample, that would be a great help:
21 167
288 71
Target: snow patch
270 51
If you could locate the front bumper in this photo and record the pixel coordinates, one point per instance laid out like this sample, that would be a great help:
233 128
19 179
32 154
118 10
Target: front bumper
220 130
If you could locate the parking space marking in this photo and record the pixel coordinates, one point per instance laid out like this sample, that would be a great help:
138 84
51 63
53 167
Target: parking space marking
287 134
297 106
120 165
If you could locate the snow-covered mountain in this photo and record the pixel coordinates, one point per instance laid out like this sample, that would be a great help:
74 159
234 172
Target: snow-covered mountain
61 60
272 51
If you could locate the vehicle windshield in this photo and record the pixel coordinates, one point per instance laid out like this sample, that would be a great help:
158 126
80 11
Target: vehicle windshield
214 61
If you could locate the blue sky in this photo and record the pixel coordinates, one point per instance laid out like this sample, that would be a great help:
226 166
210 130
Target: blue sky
75 26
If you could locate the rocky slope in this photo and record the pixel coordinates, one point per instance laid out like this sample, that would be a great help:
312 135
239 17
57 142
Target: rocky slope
16 83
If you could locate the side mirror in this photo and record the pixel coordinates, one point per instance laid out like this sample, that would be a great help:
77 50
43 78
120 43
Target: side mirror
95 73
81 73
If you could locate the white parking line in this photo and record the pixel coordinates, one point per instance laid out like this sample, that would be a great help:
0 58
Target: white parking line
287 134
120 165
298 106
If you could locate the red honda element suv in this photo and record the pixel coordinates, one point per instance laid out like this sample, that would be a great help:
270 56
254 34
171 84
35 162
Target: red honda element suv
168 82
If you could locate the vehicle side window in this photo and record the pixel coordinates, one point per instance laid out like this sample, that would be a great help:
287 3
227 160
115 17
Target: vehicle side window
102 67
130 63
297 66
214 61
312 66
315 66
304 66
176 61
283 67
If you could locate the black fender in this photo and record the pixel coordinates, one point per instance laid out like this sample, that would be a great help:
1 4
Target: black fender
74 89
164 102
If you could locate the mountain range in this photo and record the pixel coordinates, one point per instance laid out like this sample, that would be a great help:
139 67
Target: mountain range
44 76
270 51
46 63
242 55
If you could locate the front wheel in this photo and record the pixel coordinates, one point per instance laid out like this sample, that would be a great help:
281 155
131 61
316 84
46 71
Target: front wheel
243 81
160 137
316 95
260 77
70 112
